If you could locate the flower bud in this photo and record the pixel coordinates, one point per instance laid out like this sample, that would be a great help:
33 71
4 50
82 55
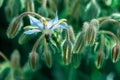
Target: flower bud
24 38
91 34
85 26
99 60
43 11
115 53
47 55
79 42
92 10
66 51
33 60
15 59
71 34
14 27
12 9
48 58
29 5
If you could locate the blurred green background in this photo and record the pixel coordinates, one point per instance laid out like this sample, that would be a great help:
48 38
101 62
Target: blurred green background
76 12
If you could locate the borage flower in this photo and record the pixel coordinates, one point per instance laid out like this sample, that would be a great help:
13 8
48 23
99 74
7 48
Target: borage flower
44 26
47 28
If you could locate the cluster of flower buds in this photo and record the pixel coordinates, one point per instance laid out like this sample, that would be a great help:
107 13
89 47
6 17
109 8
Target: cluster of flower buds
44 26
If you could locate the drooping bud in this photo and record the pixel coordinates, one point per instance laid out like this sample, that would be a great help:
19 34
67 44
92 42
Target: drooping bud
92 10
66 51
43 11
85 26
91 32
115 53
29 5
15 59
47 55
71 34
33 60
99 60
14 27
24 38
79 42
12 9
48 58
76 60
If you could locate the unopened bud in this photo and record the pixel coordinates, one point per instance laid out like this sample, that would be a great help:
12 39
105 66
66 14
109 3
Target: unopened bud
24 38
85 26
99 60
79 43
43 11
29 5
91 34
15 59
92 10
47 55
115 53
66 51
48 59
71 34
33 60
14 27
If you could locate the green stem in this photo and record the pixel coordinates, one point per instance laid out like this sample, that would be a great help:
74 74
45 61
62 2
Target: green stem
4 57
112 34
37 42
109 20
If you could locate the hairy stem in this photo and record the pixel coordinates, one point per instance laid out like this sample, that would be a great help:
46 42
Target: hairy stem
112 34
37 42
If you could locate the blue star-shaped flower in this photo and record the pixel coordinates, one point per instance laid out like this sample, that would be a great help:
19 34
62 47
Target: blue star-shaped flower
46 27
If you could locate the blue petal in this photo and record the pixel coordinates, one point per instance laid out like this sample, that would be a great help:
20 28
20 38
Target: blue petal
60 26
53 21
31 31
35 22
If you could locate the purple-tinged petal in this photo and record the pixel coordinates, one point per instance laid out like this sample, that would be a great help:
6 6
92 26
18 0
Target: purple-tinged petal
32 31
35 22
53 21
60 26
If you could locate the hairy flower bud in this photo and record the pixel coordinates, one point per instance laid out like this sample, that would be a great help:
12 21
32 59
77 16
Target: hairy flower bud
33 60
15 59
92 10
99 60
47 55
48 59
29 5
79 42
91 34
71 34
24 38
14 27
85 26
115 53
66 51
